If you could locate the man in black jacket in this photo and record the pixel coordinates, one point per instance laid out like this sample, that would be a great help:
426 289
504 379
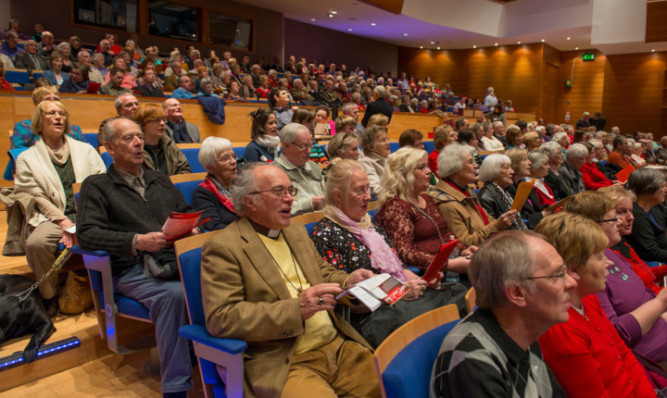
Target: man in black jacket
123 212
379 105
30 59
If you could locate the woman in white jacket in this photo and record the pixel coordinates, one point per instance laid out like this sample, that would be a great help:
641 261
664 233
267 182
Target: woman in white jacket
45 173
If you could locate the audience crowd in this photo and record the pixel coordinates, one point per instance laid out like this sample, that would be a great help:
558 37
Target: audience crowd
576 308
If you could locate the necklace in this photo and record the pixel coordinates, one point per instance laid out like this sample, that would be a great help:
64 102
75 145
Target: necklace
298 289
442 242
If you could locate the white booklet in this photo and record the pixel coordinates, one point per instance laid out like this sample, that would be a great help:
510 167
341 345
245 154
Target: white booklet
372 292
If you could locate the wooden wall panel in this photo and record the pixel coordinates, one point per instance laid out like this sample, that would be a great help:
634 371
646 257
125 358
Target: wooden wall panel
549 83
441 66
656 14
586 92
633 91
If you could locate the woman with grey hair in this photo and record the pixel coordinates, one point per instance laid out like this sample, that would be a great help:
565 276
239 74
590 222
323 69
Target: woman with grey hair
65 50
375 143
497 174
554 180
213 195
648 236
458 204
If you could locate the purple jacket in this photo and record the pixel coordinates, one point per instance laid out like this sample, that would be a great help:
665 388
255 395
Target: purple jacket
624 292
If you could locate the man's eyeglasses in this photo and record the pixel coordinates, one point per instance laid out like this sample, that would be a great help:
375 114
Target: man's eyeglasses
614 220
279 192
303 147
561 274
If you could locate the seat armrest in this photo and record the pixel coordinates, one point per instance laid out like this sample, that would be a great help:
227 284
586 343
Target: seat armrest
199 334
76 249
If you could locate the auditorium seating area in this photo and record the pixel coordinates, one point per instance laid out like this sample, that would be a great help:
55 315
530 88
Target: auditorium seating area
109 350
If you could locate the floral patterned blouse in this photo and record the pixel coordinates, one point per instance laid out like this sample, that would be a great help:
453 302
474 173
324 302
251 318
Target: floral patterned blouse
414 235
340 248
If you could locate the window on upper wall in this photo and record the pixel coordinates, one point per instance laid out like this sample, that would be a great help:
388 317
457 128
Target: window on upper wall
172 20
230 31
115 14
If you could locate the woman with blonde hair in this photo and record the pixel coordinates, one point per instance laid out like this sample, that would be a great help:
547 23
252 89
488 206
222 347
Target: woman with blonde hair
348 239
379 120
410 216
442 136
343 146
23 136
586 354
160 151
45 173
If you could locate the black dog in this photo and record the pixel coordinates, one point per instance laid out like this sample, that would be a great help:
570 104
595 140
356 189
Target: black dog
29 316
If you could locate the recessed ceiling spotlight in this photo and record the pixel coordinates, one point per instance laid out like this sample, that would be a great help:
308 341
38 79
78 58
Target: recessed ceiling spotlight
334 12
373 24
568 38
312 19
330 15
405 34
474 46
518 42
432 42
421 47
495 44
653 50
576 48
543 40
437 48
349 29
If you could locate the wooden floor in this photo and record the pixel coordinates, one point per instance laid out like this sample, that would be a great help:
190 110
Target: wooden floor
111 376
90 370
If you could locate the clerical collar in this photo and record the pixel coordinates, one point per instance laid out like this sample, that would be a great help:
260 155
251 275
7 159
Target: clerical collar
260 229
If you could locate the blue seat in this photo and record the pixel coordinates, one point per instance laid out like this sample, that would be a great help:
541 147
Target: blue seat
11 167
404 360
187 183
105 299
393 147
309 220
107 159
91 138
239 151
192 155
429 146
17 76
210 351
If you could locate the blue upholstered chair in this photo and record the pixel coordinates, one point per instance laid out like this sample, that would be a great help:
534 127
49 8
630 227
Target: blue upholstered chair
92 139
404 360
429 146
11 167
191 152
210 351
309 220
187 183
106 158
393 147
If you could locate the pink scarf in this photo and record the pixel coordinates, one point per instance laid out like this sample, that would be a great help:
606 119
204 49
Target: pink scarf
383 258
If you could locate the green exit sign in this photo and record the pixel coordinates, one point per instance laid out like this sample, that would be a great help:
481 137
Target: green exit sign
588 57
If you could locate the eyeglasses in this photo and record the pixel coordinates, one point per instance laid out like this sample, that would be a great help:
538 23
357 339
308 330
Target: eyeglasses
54 113
561 274
227 158
279 192
303 147
614 220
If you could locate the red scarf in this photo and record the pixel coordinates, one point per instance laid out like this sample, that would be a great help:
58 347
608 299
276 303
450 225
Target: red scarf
480 210
208 185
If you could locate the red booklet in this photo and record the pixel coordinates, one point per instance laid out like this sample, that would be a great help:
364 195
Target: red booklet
440 260
179 224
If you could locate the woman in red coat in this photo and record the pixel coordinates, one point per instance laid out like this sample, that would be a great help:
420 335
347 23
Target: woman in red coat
586 354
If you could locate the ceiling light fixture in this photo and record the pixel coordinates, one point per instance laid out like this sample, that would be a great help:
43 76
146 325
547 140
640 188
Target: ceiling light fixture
653 50
421 47
405 34
312 19
330 15
474 46
437 48
518 42
568 38
543 40
576 48
495 44
334 12
372 23
349 29
432 42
